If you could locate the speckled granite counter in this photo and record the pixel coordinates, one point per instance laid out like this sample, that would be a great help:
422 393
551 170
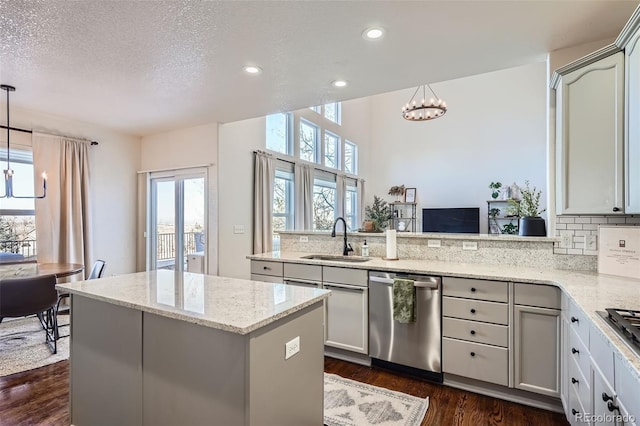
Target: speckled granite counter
589 290
234 305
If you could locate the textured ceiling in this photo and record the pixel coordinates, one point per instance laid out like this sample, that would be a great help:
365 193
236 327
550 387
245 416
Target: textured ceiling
148 67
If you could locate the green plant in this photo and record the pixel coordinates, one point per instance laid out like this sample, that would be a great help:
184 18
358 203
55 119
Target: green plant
529 205
496 189
509 228
378 213
494 212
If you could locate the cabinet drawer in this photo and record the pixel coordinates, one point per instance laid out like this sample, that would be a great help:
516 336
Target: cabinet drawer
332 274
303 272
579 323
474 331
627 385
497 313
578 352
496 291
543 296
581 385
576 410
266 278
266 268
476 361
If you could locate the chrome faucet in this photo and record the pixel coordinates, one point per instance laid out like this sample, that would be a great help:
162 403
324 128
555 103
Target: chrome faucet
347 246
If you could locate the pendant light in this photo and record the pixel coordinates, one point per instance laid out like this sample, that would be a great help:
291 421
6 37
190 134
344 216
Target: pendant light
8 173
428 109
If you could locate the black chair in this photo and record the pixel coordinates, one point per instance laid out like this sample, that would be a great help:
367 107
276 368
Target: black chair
22 297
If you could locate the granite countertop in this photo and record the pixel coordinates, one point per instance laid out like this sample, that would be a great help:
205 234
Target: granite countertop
234 305
590 291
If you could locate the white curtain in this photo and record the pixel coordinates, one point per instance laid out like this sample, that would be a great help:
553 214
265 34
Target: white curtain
303 184
263 178
143 203
360 197
63 218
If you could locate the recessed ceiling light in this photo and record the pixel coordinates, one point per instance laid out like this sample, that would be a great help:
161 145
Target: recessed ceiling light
339 83
252 69
373 33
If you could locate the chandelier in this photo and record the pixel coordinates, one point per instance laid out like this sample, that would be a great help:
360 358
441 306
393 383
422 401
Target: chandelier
8 173
428 109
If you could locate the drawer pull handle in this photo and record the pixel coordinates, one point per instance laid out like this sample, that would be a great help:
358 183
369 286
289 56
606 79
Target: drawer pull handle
472 354
612 407
473 311
574 319
606 397
574 411
574 351
266 268
473 289
616 209
473 332
574 380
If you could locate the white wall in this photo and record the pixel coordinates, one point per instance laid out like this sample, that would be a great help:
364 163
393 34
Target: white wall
494 130
113 184
194 146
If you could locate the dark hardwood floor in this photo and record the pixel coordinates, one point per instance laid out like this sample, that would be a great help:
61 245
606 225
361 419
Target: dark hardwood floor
41 397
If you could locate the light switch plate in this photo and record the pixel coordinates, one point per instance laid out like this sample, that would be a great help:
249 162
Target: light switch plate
238 229
591 242
566 239
434 243
469 245
292 347
304 239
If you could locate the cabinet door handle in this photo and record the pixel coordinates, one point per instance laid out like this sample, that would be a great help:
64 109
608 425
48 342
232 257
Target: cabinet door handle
574 411
574 319
473 332
574 351
473 289
472 354
612 407
266 268
574 380
473 311
616 209
606 397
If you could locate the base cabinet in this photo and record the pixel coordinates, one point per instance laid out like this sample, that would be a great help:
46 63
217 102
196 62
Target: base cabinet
347 317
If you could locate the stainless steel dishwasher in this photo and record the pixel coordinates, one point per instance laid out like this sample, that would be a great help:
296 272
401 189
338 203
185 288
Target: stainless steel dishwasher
416 345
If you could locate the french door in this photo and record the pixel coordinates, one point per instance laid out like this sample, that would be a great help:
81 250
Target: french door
178 220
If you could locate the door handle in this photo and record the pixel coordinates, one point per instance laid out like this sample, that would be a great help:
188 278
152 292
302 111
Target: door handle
417 284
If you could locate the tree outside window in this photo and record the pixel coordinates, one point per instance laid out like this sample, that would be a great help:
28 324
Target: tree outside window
308 141
331 144
324 204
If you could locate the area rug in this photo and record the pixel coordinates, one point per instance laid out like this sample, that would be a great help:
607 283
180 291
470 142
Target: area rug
22 345
351 403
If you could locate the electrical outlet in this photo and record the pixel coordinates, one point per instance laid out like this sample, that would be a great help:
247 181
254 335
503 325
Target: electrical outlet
591 242
238 229
469 245
292 347
434 243
304 239
566 240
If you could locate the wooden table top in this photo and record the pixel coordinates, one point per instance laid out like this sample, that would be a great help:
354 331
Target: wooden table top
24 270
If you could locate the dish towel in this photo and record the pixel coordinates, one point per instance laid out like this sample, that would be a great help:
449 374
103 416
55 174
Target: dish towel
404 300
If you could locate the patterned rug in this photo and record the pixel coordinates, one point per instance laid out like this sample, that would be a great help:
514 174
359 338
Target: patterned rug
351 403
22 345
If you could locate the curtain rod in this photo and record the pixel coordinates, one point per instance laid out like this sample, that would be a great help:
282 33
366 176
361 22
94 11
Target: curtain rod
31 131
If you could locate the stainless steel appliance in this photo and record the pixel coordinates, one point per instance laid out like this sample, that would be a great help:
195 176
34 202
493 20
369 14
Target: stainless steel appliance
416 345
626 323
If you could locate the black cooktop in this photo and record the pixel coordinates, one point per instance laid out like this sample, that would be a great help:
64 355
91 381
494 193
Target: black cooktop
626 323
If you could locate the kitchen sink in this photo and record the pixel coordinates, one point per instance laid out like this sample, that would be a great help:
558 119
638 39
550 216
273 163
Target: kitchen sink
353 259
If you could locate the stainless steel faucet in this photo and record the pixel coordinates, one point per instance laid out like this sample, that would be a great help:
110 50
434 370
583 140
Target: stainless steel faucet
347 246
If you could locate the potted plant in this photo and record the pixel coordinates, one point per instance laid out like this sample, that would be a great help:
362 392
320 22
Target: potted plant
531 224
397 191
378 213
495 186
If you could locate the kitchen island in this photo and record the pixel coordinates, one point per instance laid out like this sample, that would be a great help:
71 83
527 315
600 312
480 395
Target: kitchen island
168 348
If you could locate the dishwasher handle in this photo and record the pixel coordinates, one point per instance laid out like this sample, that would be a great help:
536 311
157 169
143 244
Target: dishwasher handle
417 284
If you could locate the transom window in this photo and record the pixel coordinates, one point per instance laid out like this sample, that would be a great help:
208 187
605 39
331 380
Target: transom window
309 149
331 149
278 139
350 158
332 112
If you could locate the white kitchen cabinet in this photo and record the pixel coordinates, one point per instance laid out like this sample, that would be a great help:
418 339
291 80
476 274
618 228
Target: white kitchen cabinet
604 399
537 331
347 317
589 138
632 124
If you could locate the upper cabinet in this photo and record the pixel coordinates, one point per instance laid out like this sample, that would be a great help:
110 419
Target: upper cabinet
632 119
589 135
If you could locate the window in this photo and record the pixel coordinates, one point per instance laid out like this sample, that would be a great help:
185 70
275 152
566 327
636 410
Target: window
309 142
278 139
315 108
17 216
350 157
331 147
351 206
282 205
324 202
332 112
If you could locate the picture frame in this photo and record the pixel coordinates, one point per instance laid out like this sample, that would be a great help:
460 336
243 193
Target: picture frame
410 195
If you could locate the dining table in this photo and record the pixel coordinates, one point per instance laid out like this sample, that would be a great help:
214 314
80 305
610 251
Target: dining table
32 269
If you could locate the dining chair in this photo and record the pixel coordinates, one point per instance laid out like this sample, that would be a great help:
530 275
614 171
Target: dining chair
22 297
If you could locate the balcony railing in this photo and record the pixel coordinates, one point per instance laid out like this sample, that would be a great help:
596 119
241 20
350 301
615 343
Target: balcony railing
18 249
166 244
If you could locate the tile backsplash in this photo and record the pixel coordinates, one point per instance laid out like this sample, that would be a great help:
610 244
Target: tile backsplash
577 228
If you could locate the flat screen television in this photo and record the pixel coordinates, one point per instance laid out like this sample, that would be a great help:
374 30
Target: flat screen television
464 220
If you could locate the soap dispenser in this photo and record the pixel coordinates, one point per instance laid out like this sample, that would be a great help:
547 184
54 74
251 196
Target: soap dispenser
365 249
